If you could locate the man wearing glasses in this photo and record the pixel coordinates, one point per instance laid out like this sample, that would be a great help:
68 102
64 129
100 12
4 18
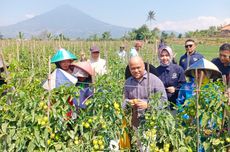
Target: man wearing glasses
191 56
223 62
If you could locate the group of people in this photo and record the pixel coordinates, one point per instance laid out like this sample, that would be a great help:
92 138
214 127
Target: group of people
170 78
81 74
175 82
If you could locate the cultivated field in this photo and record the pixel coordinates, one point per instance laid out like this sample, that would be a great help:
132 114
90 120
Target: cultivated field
27 123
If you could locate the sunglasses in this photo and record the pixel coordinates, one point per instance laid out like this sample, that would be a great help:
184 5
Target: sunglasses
190 45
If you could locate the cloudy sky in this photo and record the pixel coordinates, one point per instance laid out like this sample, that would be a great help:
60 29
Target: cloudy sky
177 15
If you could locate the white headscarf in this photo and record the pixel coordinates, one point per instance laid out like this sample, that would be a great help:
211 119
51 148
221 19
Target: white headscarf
169 50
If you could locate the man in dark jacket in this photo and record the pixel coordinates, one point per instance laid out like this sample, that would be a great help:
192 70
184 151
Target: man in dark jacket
223 62
191 56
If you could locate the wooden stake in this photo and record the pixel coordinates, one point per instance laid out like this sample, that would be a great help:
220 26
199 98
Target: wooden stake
49 86
198 85
17 50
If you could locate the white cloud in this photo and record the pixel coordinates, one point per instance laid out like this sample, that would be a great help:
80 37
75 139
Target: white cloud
201 22
29 15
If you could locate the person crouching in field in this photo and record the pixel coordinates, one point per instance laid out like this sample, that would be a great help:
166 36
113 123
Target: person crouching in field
84 72
172 75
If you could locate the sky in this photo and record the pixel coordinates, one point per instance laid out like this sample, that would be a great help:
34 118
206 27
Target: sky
176 15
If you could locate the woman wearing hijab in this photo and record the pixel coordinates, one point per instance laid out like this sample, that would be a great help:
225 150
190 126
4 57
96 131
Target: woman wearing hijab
172 75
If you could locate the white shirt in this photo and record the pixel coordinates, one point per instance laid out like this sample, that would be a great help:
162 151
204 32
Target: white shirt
122 54
99 66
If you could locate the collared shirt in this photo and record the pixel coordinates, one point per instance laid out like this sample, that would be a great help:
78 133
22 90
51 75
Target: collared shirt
171 75
193 58
122 54
135 89
138 89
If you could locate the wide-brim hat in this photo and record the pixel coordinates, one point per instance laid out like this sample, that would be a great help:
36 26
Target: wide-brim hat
206 65
61 55
85 66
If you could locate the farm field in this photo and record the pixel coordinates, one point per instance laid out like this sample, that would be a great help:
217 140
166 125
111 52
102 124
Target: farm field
29 123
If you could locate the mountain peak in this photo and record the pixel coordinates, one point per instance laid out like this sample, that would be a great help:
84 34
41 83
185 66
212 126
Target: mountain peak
64 19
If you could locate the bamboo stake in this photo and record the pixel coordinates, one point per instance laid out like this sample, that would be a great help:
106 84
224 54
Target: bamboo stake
49 87
148 79
32 57
198 85
188 60
224 110
17 50
106 56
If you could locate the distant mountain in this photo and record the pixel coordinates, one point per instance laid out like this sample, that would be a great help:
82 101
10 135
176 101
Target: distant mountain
65 19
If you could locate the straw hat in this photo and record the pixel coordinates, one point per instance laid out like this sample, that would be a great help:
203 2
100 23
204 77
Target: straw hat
61 55
85 66
206 65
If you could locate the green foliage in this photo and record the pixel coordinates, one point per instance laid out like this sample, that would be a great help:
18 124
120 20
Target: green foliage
159 130
210 113
24 121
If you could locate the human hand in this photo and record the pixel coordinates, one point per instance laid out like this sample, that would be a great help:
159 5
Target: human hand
171 89
132 102
141 104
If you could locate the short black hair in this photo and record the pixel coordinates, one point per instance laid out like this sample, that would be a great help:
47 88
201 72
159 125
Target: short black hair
189 40
57 65
225 46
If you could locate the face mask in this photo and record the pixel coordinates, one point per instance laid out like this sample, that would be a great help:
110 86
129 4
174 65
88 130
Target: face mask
80 73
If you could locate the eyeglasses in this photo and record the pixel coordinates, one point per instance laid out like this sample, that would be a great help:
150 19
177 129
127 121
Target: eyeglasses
190 45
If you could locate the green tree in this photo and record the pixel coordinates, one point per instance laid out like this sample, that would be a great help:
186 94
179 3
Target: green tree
1 36
151 17
172 35
179 36
94 37
143 33
164 35
132 35
49 36
189 34
20 35
106 35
